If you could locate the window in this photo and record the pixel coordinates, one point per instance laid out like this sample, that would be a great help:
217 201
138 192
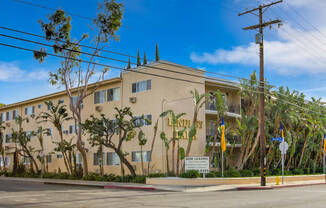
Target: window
61 101
29 134
50 105
30 110
74 100
99 97
1 117
72 129
8 116
14 114
113 159
5 161
8 138
114 94
39 106
49 132
141 86
146 121
78 159
26 160
59 156
97 160
48 158
136 156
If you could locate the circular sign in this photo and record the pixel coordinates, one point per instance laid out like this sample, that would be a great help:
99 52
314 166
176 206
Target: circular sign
283 147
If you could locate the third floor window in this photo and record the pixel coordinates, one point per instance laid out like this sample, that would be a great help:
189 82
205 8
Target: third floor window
142 86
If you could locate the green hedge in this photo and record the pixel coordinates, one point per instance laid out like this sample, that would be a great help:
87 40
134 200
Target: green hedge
190 174
89 177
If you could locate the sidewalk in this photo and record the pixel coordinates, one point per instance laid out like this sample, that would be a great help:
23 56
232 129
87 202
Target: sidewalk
174 188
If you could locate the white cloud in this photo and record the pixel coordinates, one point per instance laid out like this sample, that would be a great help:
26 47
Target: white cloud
295 51
11 72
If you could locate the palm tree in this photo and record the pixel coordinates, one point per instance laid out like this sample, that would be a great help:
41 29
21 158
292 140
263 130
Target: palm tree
199 101
175 139
57 115
2 150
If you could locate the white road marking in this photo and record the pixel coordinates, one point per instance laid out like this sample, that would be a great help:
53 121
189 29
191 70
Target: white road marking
4 197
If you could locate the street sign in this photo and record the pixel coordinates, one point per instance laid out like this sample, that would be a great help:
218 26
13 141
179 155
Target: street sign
201 164
279 139
283 147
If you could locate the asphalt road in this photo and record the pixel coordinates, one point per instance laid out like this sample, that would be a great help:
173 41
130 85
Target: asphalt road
22 194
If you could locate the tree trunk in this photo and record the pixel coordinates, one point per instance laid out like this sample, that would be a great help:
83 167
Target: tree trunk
303 150
142 159
126 162
152 147
167 161
69 169
83 154
178 158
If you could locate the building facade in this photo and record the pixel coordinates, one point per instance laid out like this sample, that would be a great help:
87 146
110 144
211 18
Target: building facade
148 90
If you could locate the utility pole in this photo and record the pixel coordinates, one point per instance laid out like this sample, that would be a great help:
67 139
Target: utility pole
260 41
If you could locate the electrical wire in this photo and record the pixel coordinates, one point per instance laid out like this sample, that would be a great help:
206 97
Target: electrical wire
146 73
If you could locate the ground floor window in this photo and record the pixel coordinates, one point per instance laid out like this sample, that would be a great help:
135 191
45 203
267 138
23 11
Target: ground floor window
136 156
113 159
49 158
97 160
5 161
26 161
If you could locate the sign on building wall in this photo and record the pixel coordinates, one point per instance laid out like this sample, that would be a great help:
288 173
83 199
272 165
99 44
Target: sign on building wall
201 164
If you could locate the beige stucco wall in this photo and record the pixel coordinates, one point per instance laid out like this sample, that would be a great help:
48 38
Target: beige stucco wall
165 94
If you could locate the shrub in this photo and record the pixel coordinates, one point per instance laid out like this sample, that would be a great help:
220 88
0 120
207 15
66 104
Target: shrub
232 173
156 175
139 179
276 172
256 172
246 173
190 174
210 175
307 171
319 170
287 172
298 172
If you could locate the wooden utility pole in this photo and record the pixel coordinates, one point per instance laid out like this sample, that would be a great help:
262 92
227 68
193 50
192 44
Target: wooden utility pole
260 41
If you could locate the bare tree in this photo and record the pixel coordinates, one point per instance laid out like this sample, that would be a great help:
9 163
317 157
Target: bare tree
73 73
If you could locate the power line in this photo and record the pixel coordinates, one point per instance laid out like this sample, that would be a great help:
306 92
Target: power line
158 68
51 9
146 73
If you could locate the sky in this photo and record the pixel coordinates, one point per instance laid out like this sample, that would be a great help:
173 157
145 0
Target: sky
203 34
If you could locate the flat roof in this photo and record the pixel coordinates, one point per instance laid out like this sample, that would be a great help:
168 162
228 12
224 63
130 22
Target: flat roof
208 80
108 81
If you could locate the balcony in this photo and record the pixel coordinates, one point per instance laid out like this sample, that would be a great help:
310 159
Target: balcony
230 140
232 111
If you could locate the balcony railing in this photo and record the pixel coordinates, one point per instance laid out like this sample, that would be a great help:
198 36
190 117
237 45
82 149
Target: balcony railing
232 108
229 139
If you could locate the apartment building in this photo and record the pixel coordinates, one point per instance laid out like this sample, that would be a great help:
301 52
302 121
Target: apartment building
147 90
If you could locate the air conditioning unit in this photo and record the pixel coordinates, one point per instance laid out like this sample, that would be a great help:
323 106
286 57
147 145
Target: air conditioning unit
98 108
133 99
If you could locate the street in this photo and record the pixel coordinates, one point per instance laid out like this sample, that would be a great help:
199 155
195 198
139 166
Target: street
22 194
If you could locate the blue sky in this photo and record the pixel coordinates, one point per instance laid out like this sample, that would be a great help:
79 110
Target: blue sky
201 34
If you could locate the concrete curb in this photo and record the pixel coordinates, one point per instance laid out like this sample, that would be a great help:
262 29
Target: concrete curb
248 188
93 184
131 188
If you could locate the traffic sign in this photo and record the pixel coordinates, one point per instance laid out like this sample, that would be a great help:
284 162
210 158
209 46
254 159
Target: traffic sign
279 139
283 147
